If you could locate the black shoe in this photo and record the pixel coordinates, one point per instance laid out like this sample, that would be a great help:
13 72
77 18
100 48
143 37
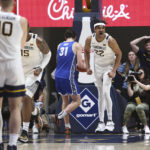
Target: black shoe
2 146
13 147
24 137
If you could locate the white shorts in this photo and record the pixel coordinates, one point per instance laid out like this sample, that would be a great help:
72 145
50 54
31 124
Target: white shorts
12 78
100 73
31 84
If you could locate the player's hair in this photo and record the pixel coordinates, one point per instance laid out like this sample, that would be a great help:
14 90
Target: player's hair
69 33
6 3
95 20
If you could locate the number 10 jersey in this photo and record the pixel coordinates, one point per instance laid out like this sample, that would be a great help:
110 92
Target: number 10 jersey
10 36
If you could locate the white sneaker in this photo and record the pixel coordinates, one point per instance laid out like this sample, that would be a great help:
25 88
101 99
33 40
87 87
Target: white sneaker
100 127
146 129
110 126
35 129
125 130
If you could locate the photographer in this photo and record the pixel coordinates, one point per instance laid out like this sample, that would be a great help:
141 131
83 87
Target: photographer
139 93
131 64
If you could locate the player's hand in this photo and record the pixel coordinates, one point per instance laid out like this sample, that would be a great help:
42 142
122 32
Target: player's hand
89 71
111 74
37 71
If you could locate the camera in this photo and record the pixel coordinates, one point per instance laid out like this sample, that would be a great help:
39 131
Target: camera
130 77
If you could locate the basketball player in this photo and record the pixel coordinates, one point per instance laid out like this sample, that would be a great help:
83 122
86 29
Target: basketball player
107 56
35 56
13 33
68 57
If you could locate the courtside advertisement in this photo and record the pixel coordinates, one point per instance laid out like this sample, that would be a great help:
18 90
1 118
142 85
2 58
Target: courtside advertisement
60 13
87 113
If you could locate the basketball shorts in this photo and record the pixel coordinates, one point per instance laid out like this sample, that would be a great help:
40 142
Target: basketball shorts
66 86
31 85
12 81
101 73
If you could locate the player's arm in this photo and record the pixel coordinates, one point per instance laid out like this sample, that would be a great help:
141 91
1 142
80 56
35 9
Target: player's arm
24 26
42 45
77 48
115 47
134 43
87 49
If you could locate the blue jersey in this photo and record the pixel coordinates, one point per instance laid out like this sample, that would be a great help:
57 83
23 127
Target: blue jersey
66 61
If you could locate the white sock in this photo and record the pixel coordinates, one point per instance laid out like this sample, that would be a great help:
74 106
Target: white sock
13 138
26 126
68 125
62 114
35 111
1 126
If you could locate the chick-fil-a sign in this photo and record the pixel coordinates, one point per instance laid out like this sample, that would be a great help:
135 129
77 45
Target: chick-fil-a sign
60 13
126 12
48 13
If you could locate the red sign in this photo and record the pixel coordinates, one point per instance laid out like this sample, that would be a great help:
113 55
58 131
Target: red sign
126 12
59 13
47 13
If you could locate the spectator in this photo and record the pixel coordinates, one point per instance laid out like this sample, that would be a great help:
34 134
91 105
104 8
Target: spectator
132 64
139 92
143 54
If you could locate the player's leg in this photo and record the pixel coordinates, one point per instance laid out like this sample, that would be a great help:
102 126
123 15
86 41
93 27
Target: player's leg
106 87
101 105
2 79
15 90
1 125
15 119
27 110
65 103
26 115
76 101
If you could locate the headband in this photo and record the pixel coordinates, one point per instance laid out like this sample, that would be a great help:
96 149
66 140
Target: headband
99 24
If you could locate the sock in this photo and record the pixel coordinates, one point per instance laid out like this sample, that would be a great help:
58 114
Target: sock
68 125
13 138
35 111
26 126
62 114
1 126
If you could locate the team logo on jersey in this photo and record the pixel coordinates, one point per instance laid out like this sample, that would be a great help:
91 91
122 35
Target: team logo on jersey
87 112
31 44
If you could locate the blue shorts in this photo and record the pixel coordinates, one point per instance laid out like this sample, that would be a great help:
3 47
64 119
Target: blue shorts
66 86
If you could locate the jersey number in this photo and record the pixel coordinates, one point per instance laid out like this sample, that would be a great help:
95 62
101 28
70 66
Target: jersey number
24 52
100 53
63 51
6 28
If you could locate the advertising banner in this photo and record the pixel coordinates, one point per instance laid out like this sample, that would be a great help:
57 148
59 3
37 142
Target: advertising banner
60 13
126 12
47 13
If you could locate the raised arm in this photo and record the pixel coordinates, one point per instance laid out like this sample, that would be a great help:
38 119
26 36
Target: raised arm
134 43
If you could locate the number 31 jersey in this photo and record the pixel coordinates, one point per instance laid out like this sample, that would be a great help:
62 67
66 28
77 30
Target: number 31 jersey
10 36
66 61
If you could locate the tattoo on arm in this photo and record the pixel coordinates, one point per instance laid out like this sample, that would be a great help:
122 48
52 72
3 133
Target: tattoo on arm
42 45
